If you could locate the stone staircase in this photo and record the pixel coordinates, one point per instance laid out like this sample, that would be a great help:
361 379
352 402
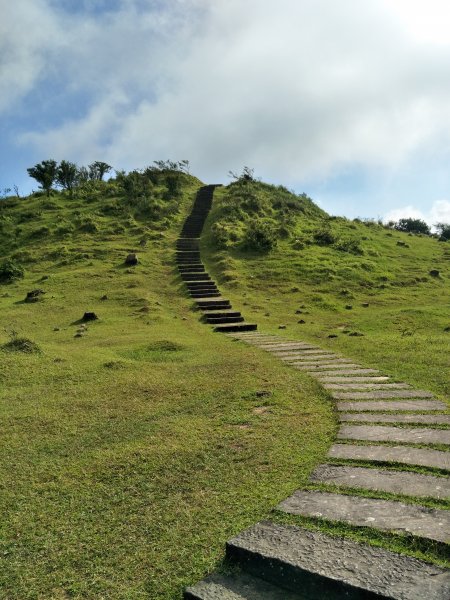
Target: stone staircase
392 451
217 310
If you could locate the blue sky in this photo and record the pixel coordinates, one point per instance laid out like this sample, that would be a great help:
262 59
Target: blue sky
347 101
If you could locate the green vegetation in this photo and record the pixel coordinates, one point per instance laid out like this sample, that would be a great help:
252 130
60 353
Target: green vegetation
135 445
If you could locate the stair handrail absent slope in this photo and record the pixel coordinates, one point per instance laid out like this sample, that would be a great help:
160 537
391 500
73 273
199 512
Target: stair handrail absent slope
285 562
216 309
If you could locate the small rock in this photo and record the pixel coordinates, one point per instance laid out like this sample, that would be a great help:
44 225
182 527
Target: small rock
131 259
298 312
34 295
158 303
447 328
104 297
78 335
184 318
56 329
301 321
267 314
348 307
332 335
434 273
262 393
281 326
355 334
89 316
142 242
365 304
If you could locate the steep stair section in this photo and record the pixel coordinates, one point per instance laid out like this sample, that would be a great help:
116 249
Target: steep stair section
217 311
389 432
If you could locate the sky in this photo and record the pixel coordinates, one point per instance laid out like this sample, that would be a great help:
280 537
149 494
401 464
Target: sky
347 101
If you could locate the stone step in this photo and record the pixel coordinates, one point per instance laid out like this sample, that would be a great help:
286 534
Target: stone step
359 371
399 418
288 346
326 366
374 395
191 268
236 327
223 313
206 289
322 567
306 351
393 454
340 378
196 277
221 320
225 305
382 480
381 433
293 358
211 303
192 285
238 586
205 294
366 386
384 515
383 405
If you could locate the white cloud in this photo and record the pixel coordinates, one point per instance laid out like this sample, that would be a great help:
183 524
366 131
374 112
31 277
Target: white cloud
438 213
294 89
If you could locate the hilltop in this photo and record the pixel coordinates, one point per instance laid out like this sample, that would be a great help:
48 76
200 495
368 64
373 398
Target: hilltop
135 445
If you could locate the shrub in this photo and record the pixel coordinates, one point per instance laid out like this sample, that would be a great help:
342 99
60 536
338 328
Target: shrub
324 236
10 271
352 246
21 344
260 236
412 225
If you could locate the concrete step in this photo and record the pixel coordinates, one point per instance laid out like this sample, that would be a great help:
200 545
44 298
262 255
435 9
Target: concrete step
218 303
223 313
236 327
396 418
403 455
191 285
205 294
384 515
386 405
238 586
221 320
386 433
322 567
383 480
195 276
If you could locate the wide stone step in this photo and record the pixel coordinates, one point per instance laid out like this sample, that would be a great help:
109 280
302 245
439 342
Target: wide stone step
238 586
195 277
383 405
393 454
223 313
205 294
220 320
217 305
321 567
192 285
191 268
366 386
326 366
385 515
383 480
294 358
380 433
382 394
340 378
344 372
393 418
236 327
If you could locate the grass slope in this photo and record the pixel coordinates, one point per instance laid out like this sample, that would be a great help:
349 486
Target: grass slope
368 286
131 453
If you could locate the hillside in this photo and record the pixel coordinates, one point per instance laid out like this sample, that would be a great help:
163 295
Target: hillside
135 445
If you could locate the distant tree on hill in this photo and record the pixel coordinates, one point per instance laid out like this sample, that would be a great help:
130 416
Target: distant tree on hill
443 230
412 226
67 175
98 169
44 173
246 175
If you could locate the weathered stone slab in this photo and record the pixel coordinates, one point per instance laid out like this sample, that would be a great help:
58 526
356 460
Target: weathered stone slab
386 515
318 566
307 352
343 378
380 433
358 371
398 454
279 350
366 386
382 394
326 366
382 480
384 405
238 586
320 360
304 356
400 418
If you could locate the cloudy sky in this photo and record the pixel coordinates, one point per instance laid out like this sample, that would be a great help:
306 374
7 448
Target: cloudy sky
346 100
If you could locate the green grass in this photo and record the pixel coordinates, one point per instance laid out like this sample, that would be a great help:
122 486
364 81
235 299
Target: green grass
130 454
134 446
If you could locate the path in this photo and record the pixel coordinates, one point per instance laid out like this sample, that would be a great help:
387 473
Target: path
391 455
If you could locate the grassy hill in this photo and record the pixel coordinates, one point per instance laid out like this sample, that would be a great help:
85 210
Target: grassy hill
135 445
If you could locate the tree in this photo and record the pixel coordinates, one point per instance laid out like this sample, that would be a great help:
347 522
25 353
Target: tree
44 173
67 175
98 169
412 226
443 230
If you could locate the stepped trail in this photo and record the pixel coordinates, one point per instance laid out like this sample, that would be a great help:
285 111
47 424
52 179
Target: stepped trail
388 430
